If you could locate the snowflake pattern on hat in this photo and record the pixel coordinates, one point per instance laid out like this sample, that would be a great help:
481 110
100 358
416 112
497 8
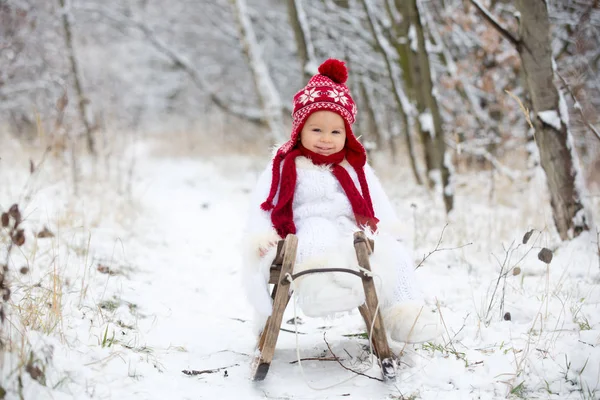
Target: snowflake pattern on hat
338 96
309 95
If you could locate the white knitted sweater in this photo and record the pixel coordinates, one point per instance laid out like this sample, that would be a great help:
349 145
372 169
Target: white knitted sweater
325 225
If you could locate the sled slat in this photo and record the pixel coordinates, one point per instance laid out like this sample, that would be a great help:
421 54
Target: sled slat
364 312
378 336
270 333
274 277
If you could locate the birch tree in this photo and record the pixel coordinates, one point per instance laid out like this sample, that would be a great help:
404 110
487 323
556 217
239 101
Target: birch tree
264 85
549 116
301 28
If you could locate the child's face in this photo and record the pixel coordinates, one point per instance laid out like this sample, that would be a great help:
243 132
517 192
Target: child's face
324 133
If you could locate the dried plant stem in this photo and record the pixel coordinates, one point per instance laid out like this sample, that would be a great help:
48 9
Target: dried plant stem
437 248
346 368
524 109
315 359
598 244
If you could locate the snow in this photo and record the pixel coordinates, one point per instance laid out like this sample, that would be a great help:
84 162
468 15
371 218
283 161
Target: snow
174 300
426 121
551 117
412 36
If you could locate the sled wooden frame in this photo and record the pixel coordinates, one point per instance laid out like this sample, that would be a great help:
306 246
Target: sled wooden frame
282 265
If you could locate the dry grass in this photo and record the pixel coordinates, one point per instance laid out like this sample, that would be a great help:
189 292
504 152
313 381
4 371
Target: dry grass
55 270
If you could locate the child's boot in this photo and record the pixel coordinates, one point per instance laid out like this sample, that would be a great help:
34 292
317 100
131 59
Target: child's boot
412 323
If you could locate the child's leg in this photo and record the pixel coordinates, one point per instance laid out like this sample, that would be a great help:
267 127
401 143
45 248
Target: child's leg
406 317
407 288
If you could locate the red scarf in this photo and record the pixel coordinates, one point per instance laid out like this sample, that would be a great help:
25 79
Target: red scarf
282 215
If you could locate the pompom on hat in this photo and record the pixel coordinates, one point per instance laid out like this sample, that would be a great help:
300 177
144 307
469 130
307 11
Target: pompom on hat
325 91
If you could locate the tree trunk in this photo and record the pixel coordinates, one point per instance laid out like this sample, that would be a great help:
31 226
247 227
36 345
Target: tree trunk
406 61
402 101
430 118
265 88
550 120
304 45
81 100
374 133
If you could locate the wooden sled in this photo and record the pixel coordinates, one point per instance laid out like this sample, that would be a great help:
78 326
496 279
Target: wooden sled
282 265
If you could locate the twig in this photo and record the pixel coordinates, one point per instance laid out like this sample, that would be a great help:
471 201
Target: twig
450 340
346 368
589 344
578 107
349 355
504 272
194 372
598 244
437 248
314 359
290 331
490 18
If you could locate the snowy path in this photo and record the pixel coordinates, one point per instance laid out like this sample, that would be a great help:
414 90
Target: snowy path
196 316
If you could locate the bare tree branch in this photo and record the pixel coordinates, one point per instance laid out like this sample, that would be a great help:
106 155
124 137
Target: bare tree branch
194 372
490 18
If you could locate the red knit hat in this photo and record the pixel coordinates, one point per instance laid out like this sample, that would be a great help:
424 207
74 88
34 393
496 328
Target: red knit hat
327 91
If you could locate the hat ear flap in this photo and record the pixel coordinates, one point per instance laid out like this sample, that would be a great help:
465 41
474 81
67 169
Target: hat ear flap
355 152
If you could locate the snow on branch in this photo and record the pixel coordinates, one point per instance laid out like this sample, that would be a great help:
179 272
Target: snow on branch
490 18
311 66
578 107
551 118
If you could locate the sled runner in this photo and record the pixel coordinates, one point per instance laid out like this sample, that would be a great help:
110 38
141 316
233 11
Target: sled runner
282 270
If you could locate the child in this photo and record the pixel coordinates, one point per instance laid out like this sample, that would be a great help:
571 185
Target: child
319 187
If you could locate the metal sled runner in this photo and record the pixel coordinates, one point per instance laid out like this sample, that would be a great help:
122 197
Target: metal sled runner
282 269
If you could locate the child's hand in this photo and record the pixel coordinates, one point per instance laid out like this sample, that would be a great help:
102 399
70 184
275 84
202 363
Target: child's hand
262 251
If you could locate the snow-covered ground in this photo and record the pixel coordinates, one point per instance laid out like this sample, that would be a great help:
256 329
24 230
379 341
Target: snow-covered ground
141 281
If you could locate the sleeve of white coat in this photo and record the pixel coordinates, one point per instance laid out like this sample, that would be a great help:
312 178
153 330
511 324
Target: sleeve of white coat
258 232
384 211
258 227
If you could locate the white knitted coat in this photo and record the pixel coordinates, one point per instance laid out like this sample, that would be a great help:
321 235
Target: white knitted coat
325 226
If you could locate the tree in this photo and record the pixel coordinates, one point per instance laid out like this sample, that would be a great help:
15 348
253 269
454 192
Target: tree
549 116
430 119
267 92
82 101
391 60
304 44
